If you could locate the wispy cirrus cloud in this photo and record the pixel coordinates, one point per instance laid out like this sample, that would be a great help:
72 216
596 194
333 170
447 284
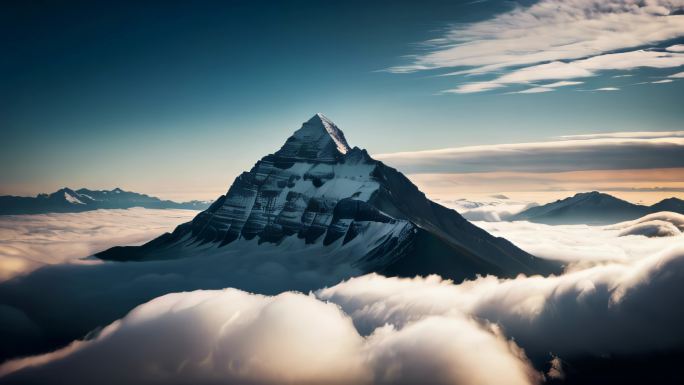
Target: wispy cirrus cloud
534 90
555 40
579 69
627 135
377 330
548 87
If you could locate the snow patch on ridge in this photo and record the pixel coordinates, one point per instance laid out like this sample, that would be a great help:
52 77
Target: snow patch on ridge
72 199
335 133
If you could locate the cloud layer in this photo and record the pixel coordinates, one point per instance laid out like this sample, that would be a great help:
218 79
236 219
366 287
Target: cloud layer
620 296
583 245
374 329
28 242
662 224
555 40
31 321
369 329
617 151
637 165
493 209
595 311
229 336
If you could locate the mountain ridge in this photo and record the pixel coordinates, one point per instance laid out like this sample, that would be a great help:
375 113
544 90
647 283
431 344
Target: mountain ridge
67 200
594 208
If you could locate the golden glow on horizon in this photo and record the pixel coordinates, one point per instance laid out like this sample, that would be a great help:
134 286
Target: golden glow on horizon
639 186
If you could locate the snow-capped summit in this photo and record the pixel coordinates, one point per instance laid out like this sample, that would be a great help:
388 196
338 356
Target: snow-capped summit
72 199
318 139
320 203
335 133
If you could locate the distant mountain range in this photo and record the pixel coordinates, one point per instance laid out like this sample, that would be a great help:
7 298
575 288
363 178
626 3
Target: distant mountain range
594 208
319 200
67 200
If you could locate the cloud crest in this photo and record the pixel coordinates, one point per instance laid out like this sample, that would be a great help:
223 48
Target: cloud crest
588 311
230 336
662 224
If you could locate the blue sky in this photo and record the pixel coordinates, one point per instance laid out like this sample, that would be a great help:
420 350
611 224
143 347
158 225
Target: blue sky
176 100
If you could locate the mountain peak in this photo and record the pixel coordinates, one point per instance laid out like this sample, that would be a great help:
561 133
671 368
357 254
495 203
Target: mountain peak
324 205
318 139
332 130
594 196
62 191
592 207
588 195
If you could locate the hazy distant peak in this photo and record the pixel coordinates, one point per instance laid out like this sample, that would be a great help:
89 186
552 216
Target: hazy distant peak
594 208
67 200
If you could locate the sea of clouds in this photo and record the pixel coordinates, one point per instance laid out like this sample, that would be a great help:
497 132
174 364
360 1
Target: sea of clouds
587 245
28 242
495 209
621 295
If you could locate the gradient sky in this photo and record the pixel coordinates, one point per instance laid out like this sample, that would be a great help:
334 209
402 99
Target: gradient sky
176 99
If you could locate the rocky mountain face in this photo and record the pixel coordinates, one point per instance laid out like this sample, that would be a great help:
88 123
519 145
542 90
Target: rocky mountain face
318 196
594 208
66 200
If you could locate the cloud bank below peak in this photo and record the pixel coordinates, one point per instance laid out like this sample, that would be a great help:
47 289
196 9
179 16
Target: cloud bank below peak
557 40
378 330
234 337
28 242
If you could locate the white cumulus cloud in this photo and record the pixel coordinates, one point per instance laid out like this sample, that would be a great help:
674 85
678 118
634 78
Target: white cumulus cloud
662 224
230 336
595 311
